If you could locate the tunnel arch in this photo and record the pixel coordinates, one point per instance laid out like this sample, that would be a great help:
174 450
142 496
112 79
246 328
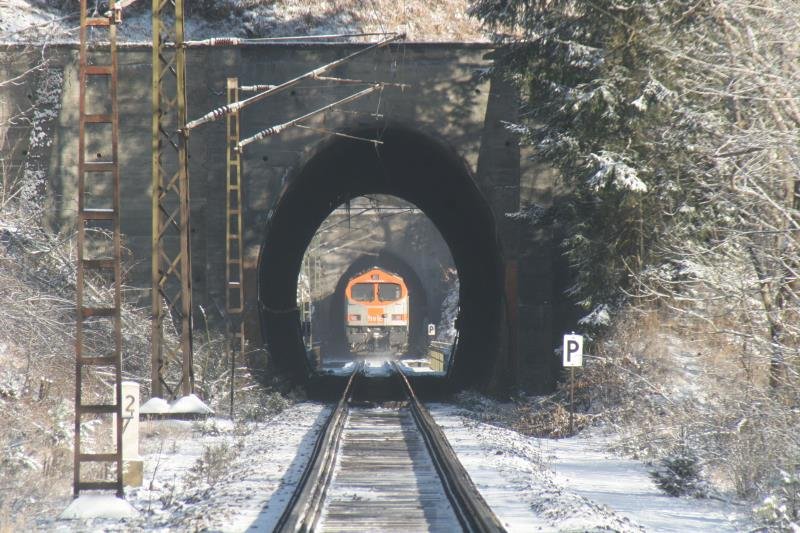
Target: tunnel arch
419 169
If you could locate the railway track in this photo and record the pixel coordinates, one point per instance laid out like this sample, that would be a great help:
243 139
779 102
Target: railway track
385 468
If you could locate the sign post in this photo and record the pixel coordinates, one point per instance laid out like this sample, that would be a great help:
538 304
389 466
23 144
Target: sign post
133 467
572 357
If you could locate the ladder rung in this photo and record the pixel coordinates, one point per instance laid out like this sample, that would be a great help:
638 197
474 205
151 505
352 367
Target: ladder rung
100 118
98 263
98 409
97 21
234 261
102 166
97 457
233 284
98 214
98 311
234 212
97 485
98 70
99 361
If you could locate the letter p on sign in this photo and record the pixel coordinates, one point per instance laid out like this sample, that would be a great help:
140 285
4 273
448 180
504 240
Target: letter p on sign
573 350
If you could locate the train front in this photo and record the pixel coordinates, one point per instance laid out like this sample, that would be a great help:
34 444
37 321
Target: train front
377 313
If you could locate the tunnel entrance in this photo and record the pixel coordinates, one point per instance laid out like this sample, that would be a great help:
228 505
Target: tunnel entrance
390 234
415 168
420 313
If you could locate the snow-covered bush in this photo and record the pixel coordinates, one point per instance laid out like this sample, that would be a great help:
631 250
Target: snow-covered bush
781 509
212 465
679 474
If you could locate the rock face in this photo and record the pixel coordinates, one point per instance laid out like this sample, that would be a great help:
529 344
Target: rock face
450 102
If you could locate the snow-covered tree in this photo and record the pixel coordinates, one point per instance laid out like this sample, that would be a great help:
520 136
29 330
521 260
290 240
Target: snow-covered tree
675 124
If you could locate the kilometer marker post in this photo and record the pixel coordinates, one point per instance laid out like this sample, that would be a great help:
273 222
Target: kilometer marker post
572 357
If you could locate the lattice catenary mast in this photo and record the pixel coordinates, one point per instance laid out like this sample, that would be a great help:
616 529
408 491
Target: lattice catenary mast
171 258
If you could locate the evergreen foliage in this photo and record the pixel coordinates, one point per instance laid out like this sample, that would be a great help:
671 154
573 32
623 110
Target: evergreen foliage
679 474
675 127
591 97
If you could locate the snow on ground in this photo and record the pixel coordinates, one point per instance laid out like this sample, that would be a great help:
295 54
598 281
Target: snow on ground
445 20
418 366
213 475
377 369
28 21
99 505
584 464
219 476
573 484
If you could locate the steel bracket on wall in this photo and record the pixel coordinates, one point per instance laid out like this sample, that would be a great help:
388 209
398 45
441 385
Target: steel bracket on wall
171 258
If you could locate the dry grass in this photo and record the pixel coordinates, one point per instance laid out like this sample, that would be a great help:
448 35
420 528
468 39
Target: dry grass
668 382
445 20
37 366
441 21
544 417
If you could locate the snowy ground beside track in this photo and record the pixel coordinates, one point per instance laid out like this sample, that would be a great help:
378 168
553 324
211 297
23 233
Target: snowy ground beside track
532 484
254 483
573 484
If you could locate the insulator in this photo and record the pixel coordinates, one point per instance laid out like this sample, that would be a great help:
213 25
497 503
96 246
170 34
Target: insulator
256 88
217 41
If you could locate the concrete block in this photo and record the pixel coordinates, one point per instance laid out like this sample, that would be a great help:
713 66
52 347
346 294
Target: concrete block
133 473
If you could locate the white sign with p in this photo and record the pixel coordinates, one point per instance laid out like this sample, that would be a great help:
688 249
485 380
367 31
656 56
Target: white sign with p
573 350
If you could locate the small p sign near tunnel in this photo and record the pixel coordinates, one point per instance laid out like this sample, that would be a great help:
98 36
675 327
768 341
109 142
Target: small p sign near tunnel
573 350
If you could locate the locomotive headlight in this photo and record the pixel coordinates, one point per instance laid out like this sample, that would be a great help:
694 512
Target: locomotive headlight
354 318
397 317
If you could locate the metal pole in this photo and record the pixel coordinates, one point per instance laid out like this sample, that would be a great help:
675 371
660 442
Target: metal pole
232 353
571 400
171 265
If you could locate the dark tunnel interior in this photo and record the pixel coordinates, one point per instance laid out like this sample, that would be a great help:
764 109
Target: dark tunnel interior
420 170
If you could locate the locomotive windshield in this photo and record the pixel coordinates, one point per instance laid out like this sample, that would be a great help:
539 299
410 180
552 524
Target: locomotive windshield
388 292
362 292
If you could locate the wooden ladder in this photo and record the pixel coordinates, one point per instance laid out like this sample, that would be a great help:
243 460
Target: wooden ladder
98 221
234 268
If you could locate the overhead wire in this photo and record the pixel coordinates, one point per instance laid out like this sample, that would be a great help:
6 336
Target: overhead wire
220 112
236 41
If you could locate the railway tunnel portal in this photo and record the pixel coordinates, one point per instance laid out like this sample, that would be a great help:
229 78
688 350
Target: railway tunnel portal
446 150
416 168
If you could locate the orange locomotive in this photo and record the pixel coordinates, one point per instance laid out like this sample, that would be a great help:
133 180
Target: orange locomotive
376 314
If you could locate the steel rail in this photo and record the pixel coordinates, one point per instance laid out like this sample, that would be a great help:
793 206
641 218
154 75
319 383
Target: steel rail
303 511
471 509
